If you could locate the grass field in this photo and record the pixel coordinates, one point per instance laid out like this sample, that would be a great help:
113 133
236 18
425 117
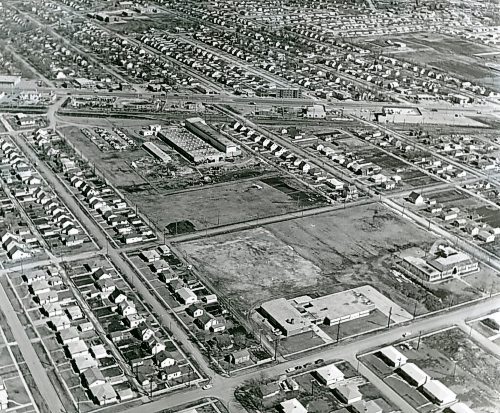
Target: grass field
316 255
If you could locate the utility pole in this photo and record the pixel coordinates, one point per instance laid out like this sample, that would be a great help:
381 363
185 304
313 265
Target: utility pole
276 344
415 309
419 337
338 332
389 318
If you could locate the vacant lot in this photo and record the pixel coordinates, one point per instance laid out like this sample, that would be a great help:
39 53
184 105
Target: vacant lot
220 205
316 255
452 55
475 377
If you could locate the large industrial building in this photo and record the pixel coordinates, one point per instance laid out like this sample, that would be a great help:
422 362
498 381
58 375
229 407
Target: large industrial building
198 127
191 146
297 315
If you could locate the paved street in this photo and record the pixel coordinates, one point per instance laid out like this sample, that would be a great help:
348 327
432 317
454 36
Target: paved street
223 388
38 371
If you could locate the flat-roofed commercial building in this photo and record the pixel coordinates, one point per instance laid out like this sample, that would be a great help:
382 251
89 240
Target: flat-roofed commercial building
335 308
6 80
285 317
212 136
298 314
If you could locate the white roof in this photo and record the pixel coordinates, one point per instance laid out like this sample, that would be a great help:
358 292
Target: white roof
415 372
394 355
330 372
293 406
77 347
461 408
103 392
439 391
185 293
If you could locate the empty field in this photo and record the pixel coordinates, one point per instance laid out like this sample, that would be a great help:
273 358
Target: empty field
320 255
224 204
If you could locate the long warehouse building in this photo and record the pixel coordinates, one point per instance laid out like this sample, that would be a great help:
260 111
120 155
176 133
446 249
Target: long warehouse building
198 127
157 152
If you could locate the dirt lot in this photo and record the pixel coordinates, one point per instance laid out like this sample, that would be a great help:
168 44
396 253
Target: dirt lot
218 205
317 255
475 378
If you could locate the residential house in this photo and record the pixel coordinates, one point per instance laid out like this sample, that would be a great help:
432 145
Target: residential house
155 345
69 335
370 406
33 276
416 199
98 351
392 357
134 320
292 406
77 348
106 285
117 296
52 309
194 310
60 323
186 296
438 393
104 394
46 298
239 357
164 359
74 312
348 394
144 332
126 308
92 377
39 287
413 374
172 372
328 375
459 408
205 321
82 363
150 255
87 326
125 394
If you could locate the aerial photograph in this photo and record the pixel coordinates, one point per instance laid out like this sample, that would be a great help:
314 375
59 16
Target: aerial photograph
249 206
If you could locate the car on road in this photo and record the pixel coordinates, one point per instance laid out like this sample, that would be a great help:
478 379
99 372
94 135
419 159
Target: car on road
307 365
290 369
207 387
406 334
319 361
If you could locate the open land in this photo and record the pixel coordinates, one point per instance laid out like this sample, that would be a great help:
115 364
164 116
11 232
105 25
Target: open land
319 255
